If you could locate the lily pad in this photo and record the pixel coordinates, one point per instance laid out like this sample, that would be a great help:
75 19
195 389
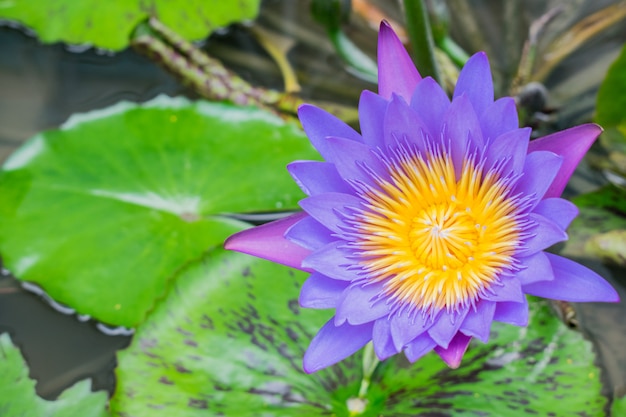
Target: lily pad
19 398
102 212
229 339
87 22
612 95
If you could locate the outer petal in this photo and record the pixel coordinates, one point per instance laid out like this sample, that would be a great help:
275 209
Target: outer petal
327 208
396 71
478 322
573 282
571 144
318 124
355 161
360 304
372 107
510 290
268 242
431 103
309 233
512 144
446 326
453 354
512 313
319 291
332 262
558 210
540 169
335 343
381 336
537 268
476 83
405 328
498 118
461 127
403 123
419 347
545 234
315 177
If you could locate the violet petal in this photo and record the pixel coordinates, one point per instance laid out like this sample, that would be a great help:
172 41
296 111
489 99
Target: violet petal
540 169
268 242
396 71
571 144
431 103
498 118
335 343
572 282
545 233
360 304
509 290
315 177
331 261
327 208
351 158
381 338
420 346
446 326
537 268
310 234
560 211
318 124
453 354
512 313
371 107
478 322
320 292
512 144
405 328
475 82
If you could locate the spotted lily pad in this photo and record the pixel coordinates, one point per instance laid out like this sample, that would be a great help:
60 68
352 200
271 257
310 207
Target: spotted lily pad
85 22
103 211
229 339
19 399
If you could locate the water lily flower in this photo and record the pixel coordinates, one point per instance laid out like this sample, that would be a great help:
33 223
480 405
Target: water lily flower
431 223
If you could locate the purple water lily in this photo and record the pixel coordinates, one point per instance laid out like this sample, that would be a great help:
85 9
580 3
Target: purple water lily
432 222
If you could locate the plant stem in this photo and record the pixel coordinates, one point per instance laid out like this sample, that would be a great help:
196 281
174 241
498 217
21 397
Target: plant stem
421 38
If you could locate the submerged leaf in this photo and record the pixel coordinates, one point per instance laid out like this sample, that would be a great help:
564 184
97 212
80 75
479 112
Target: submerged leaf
19 398
229 340
102 212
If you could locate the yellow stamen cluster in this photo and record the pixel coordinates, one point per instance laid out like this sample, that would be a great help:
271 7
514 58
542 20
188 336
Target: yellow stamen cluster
437 240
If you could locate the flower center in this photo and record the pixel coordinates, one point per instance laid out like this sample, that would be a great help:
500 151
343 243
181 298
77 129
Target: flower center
435 237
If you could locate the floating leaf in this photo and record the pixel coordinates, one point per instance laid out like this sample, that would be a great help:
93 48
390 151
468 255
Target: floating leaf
19 398
101 212
229 340
85 22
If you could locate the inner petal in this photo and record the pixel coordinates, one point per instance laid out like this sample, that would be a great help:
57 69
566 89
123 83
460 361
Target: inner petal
435 239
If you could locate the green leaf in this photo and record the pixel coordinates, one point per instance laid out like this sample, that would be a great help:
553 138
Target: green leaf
19 398
229 340
611 105
102 212
110 27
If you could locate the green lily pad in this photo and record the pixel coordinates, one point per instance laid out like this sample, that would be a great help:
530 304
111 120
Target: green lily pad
102 212
87 22
19 398
229 339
